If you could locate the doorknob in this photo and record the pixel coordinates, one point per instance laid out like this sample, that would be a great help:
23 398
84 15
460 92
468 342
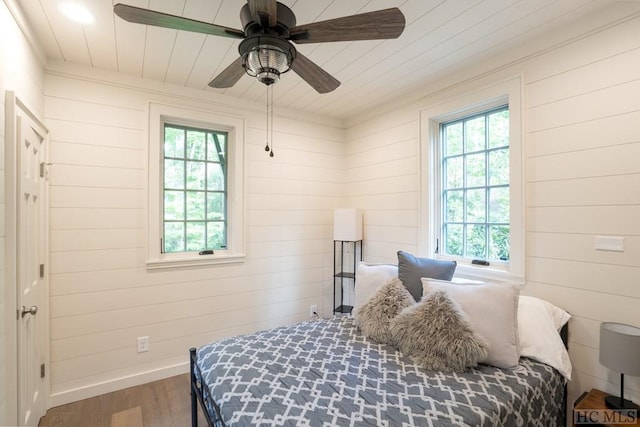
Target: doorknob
33 310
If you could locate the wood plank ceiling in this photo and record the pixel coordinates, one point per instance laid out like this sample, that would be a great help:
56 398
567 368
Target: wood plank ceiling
441 36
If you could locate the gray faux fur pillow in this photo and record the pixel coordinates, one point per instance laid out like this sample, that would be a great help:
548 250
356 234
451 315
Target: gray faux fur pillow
387 302
436 334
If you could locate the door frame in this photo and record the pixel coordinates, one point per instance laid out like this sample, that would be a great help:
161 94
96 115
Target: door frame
13 106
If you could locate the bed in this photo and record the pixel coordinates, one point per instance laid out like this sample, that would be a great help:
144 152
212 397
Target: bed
327 373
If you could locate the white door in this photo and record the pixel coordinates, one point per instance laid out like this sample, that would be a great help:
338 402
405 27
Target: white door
31 254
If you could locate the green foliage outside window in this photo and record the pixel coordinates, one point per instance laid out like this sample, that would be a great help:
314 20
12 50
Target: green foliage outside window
195 189
475 186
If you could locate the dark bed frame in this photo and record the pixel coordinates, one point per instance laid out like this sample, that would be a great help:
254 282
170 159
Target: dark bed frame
199 394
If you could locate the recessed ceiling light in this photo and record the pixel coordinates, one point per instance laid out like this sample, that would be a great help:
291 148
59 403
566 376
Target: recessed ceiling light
76 12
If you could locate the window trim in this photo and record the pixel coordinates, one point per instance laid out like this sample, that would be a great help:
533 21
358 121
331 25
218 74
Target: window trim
159 114
468 102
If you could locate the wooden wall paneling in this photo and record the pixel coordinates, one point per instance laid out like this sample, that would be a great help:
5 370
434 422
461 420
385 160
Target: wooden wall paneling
288 248
116 361
95 260
120 339
386 185
602 102
380 135
406 200
93 112
605 161
297 217
587 135
590 304
287 186
286 201
79 240
265 168
96 322
592 276
392 216
150 366
96 176
617 220
402 235
383 169
385 252
95 155
610 41
98 232
95 218
91 197
393 150
602 74
598 190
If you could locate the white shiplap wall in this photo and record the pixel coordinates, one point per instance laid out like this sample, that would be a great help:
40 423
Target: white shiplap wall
583 133
22 73
582 144
581 141
102 296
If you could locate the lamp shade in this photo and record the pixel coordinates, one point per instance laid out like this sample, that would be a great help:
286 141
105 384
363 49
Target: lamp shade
620 348
347 224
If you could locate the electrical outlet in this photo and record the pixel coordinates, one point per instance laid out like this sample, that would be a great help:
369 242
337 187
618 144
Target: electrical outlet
313 311
143 344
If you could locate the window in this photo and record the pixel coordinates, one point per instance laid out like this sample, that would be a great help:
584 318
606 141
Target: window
472 175
195 189
474 186
196 194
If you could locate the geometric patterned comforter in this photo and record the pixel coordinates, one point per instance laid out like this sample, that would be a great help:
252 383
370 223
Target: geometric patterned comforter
326 373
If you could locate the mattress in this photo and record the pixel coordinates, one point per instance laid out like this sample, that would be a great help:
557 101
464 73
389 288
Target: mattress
326 373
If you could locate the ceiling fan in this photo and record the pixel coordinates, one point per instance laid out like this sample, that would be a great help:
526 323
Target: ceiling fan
269 28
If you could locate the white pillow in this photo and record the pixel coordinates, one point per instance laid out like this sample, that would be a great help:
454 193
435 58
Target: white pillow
463 281
369 278
493 313
538 325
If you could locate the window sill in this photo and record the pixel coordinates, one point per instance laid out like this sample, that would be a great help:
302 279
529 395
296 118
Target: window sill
193 261
482 273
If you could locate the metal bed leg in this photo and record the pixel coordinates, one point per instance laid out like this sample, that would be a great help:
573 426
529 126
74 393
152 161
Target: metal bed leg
194 398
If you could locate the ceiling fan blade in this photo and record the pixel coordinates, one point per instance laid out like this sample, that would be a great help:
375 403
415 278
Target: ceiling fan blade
381 24
310 72
264 10
150 17
229 76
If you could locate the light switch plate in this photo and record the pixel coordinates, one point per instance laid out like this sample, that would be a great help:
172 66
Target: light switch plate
609 243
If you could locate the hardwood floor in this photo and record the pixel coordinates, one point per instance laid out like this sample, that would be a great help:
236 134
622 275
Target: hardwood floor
164 403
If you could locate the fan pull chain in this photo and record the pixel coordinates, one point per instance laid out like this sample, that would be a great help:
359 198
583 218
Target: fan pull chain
266 148
270 89
269 120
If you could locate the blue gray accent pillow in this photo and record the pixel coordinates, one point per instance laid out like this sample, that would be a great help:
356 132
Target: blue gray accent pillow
411 269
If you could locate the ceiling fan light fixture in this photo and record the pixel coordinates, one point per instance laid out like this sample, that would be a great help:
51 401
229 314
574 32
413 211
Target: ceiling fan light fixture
265 58
266 63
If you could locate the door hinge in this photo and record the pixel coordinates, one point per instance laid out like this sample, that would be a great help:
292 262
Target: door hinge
42 271
42 371
43 169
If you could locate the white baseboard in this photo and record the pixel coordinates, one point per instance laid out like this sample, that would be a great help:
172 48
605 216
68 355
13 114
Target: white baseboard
85 392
